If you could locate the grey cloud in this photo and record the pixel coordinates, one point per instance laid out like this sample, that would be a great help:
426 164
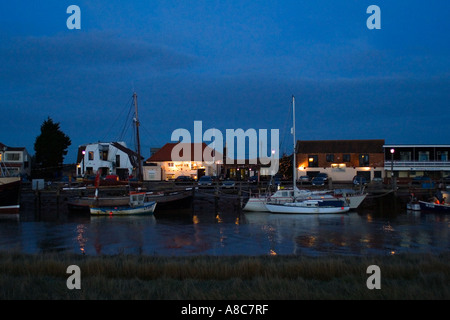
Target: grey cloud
34 57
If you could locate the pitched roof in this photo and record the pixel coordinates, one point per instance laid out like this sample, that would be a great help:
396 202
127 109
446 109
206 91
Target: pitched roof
165 153
7 148
340 146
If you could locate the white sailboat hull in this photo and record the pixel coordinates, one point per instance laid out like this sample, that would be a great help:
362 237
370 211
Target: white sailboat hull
304 208
258 204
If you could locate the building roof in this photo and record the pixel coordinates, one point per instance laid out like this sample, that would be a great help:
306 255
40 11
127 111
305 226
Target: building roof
4 147
340 146
165 153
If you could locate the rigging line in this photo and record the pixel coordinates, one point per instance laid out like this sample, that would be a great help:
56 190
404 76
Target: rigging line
126 124
116 120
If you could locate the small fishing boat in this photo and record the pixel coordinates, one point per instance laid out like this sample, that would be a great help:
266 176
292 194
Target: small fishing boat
136 205
440 203
434 207
309 206
414 206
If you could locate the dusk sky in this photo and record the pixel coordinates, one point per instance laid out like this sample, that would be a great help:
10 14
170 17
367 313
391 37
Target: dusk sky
230 64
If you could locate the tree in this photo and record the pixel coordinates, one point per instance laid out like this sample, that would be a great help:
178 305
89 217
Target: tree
50 147
286 166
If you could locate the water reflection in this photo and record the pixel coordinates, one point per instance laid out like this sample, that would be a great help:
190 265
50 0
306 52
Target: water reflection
232 234
351 233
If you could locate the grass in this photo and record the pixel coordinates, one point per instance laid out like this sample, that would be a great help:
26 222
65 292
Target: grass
126 277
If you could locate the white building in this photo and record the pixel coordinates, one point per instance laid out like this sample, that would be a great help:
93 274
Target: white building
14 161
113 158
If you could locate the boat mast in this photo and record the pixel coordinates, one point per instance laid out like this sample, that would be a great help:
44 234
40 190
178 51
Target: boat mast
294 169
139 173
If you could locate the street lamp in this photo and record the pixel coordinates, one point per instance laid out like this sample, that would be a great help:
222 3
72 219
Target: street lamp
84 160
392 167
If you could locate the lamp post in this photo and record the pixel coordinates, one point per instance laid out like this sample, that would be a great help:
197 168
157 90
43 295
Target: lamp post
392 167
84 160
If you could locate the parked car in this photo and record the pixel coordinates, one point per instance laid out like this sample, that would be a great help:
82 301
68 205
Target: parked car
275 181
228 183
184 179
253 179
359 180
205 181
323 175
304 179
318 181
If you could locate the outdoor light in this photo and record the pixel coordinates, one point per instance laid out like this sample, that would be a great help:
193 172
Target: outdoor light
392 150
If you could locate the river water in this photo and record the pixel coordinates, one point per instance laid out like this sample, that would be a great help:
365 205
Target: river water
208 233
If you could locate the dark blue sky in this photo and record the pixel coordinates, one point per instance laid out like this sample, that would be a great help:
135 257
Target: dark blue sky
230 64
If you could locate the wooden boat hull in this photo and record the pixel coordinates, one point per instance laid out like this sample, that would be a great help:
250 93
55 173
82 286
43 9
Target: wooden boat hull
171 200
146 208
9 195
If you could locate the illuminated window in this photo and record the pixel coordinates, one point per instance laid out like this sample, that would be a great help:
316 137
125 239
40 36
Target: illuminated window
363 160
313 161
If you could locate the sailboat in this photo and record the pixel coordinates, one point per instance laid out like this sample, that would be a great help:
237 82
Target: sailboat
324 205
257 203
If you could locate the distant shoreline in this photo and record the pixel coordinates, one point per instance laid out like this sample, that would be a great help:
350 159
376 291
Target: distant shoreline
136 277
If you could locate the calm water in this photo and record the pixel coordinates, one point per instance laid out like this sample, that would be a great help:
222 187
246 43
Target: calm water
245 234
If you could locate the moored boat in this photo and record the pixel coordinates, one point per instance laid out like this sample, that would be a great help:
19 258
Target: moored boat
309 206
136 205
258 203
165 200
9 194
440 203
434 207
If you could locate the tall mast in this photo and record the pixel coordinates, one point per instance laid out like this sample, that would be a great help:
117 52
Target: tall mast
139 174
294 165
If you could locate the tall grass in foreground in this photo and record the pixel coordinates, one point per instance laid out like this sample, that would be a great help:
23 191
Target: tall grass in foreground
43 276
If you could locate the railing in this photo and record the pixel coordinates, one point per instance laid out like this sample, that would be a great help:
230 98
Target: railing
417 164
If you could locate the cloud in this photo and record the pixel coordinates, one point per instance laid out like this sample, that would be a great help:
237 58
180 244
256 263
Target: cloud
35 58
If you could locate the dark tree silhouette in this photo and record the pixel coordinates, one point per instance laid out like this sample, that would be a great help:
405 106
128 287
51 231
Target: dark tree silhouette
50 147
